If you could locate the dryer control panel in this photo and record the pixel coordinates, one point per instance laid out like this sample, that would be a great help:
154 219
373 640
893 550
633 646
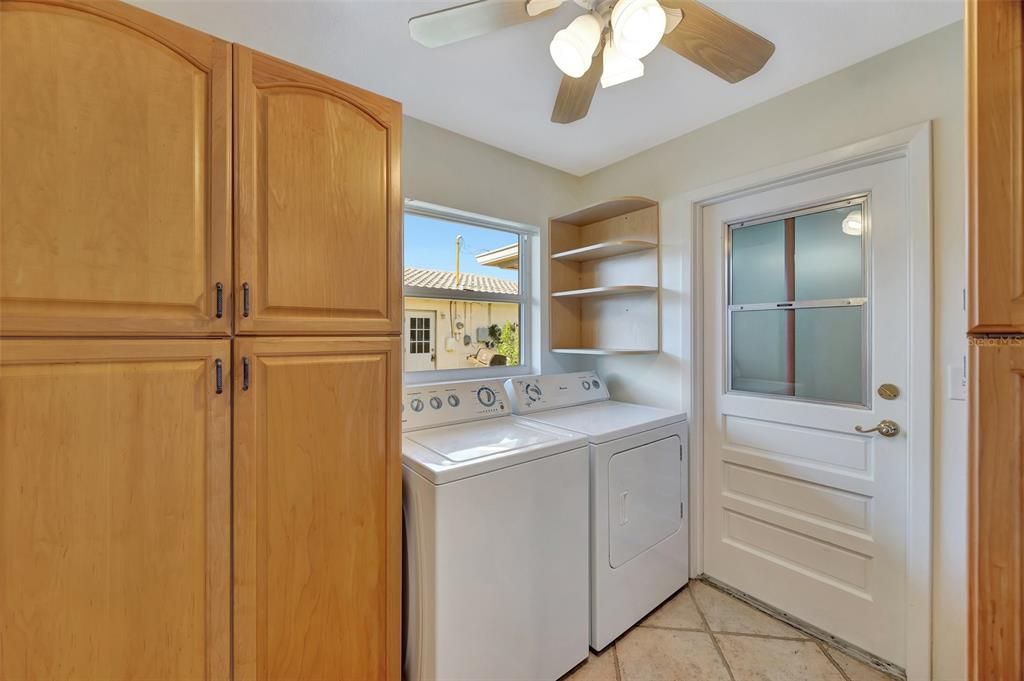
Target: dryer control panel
442 404
539 393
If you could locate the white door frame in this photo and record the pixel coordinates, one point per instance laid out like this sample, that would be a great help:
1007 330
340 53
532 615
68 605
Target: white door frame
913 144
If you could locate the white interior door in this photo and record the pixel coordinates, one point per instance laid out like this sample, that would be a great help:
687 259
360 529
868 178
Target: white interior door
805 319
420 332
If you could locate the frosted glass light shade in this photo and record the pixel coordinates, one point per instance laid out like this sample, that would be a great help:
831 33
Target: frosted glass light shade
638 26
572 48
618 67
853 224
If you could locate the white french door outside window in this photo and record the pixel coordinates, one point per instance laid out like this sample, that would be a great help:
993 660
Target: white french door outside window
420 330
806 299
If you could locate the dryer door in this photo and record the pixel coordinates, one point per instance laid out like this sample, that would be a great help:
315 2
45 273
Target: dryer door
645 495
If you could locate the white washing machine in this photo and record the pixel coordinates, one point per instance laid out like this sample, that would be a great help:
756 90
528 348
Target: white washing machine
639 532
496 517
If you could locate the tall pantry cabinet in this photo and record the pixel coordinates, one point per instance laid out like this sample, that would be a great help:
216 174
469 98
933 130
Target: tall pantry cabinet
995 293
194 234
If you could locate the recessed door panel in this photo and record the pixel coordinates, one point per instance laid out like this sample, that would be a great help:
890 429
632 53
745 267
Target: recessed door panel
319 203
115 492
645 498
317 509
115 211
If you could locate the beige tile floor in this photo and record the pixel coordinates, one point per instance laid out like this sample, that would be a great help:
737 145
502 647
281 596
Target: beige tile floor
703 634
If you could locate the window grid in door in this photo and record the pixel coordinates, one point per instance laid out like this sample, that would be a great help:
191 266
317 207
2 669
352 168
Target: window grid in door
771 313
419 335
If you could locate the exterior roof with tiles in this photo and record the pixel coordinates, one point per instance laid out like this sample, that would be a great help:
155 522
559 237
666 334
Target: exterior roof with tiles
423 278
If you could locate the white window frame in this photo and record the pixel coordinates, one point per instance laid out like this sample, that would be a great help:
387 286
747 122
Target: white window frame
528 236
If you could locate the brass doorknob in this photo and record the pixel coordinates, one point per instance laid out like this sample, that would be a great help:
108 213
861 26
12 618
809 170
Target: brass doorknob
885 428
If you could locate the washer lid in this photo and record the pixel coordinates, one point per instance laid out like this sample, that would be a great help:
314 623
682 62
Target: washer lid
459 451
469 441
608 420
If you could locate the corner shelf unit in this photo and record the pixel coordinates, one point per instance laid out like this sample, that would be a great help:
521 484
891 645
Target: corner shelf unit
605 277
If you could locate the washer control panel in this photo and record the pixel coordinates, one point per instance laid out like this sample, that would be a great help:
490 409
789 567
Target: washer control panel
538 393
442 404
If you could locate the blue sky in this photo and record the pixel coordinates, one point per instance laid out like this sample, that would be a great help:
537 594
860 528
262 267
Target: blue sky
430 243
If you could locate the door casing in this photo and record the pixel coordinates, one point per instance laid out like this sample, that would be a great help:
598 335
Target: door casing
914 145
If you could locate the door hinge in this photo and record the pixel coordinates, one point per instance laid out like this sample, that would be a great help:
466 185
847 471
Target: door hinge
219 369
245 373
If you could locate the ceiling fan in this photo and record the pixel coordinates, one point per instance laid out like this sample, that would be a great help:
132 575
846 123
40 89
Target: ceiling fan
606 44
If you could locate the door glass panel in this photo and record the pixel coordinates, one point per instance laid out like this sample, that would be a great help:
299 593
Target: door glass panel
797 305
813 353
829 263
758 263
826 252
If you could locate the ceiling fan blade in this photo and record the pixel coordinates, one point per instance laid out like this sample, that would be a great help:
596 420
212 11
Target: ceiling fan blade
575 94
461 22
715 43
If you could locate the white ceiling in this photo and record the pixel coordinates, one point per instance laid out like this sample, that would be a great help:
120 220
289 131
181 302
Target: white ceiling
499 88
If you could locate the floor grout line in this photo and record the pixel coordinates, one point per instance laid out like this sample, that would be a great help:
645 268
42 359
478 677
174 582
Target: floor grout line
668 628
615 659
714 641
824 651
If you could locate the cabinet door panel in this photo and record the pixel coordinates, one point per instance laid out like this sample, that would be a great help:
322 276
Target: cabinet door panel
996 509
115 211
319 202
318 509
114 510
995 155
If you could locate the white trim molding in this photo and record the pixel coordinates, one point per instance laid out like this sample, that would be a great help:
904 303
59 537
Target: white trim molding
914 145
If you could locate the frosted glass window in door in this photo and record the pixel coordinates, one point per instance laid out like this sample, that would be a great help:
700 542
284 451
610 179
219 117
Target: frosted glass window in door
797 305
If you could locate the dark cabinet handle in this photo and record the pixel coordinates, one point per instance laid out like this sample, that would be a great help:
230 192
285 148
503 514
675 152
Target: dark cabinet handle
220 300
245 373
245 299
219 366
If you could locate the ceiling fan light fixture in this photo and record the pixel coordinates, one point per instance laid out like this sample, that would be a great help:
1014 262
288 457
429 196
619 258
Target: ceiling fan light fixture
638 26
619 67
572 48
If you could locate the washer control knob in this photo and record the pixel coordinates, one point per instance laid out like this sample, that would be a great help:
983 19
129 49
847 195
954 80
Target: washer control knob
453 400
486 396
596 383
586 385
417 405
435 402
533 392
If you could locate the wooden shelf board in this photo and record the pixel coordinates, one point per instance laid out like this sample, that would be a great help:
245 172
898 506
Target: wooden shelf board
603 351
606 210
603 291
606 249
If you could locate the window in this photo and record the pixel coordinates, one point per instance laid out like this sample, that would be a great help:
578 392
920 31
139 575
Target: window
798 304
466 294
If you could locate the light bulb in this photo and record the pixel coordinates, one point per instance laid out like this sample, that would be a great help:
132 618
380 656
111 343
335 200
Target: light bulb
853 224
573 47
638 26
618 67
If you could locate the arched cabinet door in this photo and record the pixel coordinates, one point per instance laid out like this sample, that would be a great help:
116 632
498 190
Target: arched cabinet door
115 214
319 203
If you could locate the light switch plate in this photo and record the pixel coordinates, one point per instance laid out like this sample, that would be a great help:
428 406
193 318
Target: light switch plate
956 382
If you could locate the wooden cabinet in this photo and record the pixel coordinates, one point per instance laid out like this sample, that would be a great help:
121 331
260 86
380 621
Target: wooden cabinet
996 476
317 529
319 203
114 509
115 215
995 151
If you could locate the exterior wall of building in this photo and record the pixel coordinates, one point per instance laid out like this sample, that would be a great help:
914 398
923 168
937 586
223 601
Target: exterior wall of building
449 344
